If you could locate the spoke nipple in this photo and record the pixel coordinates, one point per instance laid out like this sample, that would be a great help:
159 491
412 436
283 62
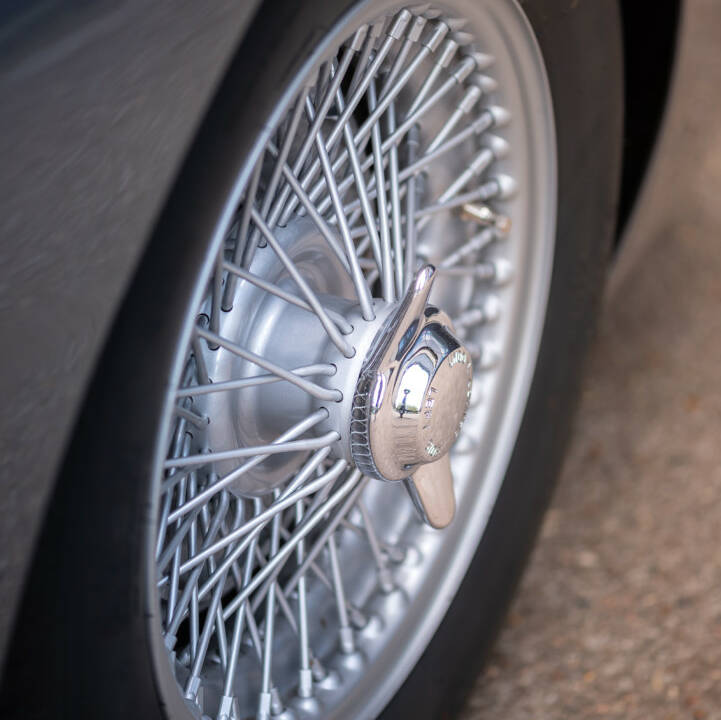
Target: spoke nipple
184 658
264 701
347 644
358 38
463 38
486 83
491 308
507 186
414 34
435 33
318 671
497 145
470 99
483 215
276 705
488 357
192 688
396 30
395 554
501 116
357 617
502 271
447 52
482 60
305 683
228 709
385 580
463 70
456 23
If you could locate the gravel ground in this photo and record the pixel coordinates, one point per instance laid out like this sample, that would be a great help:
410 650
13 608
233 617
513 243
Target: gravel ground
619 613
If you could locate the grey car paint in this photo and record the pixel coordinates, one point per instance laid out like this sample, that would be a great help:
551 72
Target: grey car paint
98 104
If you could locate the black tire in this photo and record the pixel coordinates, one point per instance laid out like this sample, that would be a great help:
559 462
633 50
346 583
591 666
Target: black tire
85 597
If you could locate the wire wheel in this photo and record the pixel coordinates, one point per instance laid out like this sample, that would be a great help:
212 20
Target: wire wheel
289 582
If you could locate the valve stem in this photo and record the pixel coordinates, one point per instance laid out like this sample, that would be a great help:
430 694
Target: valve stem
483 215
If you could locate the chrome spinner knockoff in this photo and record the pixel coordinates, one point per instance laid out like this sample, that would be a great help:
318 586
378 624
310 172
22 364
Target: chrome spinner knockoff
410 401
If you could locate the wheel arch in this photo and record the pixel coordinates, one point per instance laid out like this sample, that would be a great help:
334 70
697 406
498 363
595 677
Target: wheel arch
650 41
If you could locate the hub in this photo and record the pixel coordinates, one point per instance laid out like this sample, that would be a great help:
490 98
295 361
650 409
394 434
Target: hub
293 338
397 403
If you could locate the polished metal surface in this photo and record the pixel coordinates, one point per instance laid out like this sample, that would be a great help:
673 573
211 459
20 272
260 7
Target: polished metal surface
411 399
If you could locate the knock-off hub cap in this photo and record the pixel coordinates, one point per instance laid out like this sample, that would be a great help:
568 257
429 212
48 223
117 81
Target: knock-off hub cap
410 401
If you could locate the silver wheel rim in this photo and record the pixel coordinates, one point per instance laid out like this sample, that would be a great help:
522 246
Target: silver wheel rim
335 635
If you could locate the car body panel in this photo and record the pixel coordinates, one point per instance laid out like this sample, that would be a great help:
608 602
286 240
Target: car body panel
99 103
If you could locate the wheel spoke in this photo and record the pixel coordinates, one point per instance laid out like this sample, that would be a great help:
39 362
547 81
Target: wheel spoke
386 268
315 127
395 206
282 156
361 188
176 617
290 495
342 324
256 380
384 575
345 631
237 551
411 236
271 449
264 706
311 388
202 497
329 528
226 704
362 290
310 296
356 96
305 679
282 555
